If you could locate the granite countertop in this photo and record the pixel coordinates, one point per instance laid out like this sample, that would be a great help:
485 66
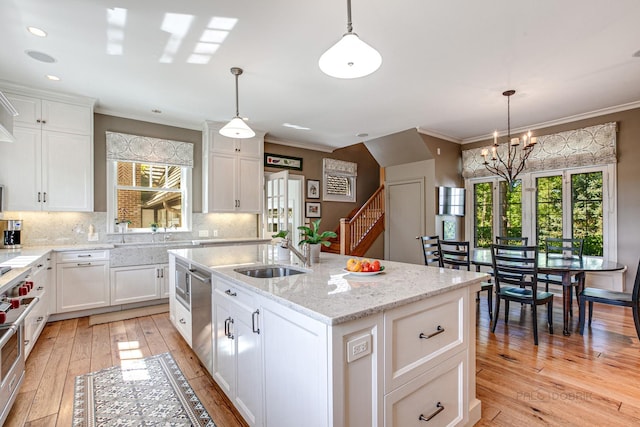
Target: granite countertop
327 292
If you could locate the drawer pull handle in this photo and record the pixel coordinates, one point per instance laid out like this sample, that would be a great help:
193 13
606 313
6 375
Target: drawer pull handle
84 256
39 288
40 319
83 264
182 321
254 318
436 412
227 327
230 293
438 331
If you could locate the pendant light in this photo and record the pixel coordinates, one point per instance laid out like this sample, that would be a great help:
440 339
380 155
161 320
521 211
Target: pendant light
237 128
350 57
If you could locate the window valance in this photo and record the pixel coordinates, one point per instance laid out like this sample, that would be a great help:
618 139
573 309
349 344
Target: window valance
143 149
594 145
339 167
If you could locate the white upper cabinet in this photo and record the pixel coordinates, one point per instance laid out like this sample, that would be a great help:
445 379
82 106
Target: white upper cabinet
50 166
232 171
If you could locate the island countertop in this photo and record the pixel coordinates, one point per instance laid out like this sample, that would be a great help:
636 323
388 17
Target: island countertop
327 292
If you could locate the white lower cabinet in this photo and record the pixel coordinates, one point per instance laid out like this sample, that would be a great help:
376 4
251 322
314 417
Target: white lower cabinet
237 366
183 322
435 398
138 283
37 318
82 280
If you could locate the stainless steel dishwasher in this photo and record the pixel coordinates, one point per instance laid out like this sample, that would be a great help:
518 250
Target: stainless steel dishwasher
200 287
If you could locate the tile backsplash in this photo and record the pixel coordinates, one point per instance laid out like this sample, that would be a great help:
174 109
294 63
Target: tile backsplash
73 228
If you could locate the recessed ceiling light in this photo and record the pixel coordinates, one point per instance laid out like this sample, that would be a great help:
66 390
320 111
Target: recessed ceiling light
362 135
637 54
40 56
298 127
155 110
37 31
53 78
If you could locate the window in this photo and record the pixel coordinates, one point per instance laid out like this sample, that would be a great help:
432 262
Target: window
146 194
339 180
148 182
572 203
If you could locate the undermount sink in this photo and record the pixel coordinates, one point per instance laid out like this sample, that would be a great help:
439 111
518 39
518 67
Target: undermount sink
268 272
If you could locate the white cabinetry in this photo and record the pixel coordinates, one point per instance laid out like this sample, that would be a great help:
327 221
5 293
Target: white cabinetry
37 318
82 280
237 366
50 166
232 171
138 283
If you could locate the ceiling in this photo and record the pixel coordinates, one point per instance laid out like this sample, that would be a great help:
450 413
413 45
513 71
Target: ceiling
445 63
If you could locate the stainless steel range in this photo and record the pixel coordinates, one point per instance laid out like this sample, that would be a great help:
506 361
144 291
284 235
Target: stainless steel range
14 308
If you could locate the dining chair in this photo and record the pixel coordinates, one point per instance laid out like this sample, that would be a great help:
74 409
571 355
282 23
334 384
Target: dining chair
566 247
515 270
456 254
429 248
512 241
604 296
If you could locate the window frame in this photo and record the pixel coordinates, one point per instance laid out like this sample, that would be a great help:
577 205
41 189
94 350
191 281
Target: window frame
529 214
112 187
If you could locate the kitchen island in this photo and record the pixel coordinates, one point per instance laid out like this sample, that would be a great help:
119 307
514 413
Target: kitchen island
329 348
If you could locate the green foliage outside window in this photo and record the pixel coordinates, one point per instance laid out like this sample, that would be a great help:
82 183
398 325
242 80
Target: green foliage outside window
483 211
511 212
548 208
586 211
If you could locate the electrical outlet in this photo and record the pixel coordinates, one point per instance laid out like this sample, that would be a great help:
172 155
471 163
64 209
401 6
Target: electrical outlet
358 348
203 233
215 233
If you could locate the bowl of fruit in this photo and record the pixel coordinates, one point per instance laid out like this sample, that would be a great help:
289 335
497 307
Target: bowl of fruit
363 267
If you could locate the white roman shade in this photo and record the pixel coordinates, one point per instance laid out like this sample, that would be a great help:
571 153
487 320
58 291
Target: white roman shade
594 145
143 149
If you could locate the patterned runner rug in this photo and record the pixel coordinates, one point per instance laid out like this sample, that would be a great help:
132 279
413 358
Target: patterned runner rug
142 392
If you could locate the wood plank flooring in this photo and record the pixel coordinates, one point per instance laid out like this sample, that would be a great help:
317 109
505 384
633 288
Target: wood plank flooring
592 380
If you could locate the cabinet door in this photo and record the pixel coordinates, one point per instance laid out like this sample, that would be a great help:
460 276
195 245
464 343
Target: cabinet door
248 398
250 186
68 172
250 147
20 170
134 284
223 346
222 177
163 270
29 111
64 117
82 285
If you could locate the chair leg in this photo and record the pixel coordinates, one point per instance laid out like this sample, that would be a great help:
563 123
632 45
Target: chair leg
506 311
571 301
478 296
590 312
494 320
534 314
581 309
490 303
636 318
550 315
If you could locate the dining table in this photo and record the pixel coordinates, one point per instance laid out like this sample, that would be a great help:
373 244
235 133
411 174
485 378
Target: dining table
560 265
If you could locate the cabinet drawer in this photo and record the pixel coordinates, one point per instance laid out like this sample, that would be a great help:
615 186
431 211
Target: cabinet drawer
422 334
223 289
183 322
82 256
438 393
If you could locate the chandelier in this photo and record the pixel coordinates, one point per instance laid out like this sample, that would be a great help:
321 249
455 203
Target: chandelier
508 160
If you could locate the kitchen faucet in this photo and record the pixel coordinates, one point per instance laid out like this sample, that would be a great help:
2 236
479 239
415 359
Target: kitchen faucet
304 257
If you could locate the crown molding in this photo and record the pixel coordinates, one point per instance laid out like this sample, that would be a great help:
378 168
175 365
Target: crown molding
303 145
439 135
145 118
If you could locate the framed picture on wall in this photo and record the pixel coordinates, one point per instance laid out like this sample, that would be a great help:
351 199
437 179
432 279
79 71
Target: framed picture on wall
313 189
312 210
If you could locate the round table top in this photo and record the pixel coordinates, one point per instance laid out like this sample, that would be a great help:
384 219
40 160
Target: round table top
556 263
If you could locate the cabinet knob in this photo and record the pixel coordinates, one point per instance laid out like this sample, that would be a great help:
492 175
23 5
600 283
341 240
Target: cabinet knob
182 321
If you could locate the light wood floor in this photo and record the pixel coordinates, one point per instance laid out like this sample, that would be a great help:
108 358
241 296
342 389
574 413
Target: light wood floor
584 381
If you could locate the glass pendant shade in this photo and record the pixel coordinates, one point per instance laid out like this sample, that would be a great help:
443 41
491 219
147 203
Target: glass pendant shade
350 58
237 128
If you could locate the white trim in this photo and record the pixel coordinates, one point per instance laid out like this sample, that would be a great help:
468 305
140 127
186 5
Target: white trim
304 145
439 135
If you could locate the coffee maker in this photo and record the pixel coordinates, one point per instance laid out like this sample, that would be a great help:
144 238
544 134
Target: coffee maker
10 229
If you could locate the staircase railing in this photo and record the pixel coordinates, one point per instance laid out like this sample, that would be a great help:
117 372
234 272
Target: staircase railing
360 231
